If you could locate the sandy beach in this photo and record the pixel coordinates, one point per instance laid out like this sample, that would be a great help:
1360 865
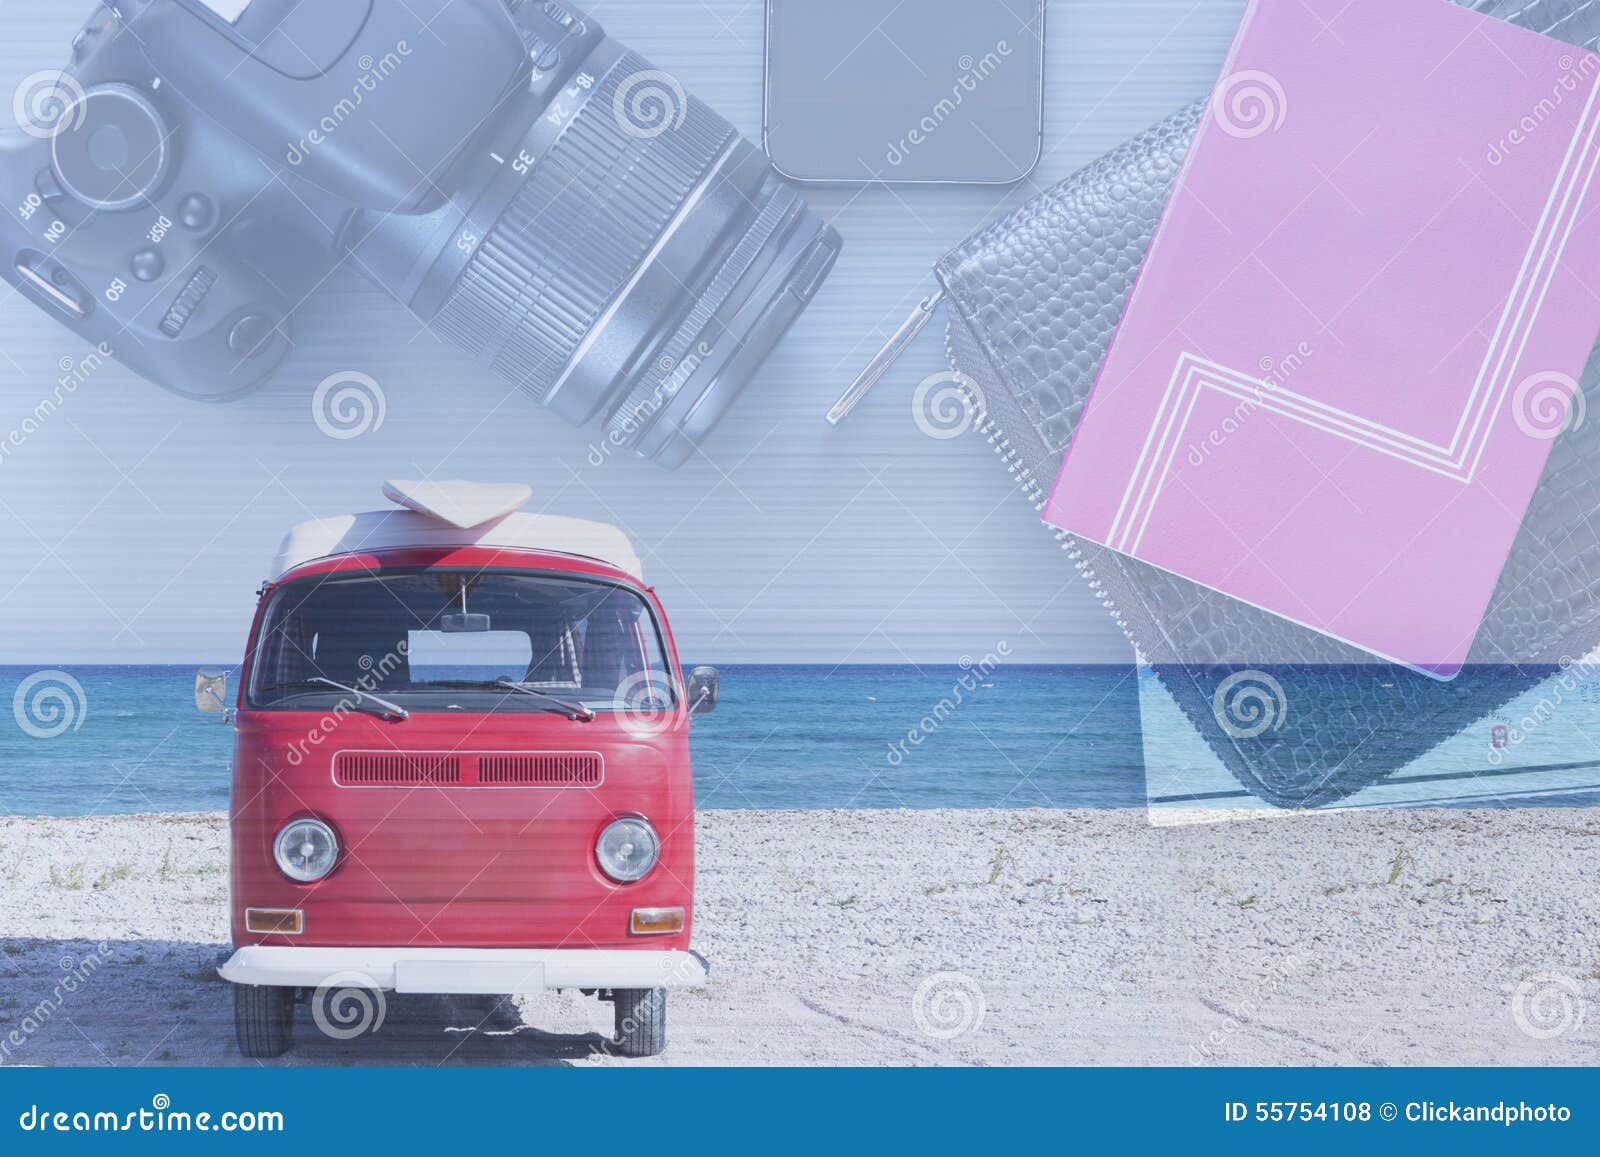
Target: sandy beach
899 937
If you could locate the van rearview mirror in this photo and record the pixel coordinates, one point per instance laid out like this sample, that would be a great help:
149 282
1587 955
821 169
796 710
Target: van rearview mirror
211 690
704 685
464 624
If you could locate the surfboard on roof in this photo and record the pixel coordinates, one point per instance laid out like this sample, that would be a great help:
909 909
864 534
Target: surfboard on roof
454 513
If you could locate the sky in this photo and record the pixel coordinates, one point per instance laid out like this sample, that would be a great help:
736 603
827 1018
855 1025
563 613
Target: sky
136 526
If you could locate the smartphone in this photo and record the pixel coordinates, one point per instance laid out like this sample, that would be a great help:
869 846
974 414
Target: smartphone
905 90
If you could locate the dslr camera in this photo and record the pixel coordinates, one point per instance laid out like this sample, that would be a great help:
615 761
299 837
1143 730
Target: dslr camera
527 187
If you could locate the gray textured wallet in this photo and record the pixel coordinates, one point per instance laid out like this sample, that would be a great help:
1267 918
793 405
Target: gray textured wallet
1035 298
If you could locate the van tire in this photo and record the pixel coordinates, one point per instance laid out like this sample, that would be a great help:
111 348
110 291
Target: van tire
641 1021
263 1019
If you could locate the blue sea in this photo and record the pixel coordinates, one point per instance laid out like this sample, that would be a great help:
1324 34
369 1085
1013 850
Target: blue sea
109 740
781 737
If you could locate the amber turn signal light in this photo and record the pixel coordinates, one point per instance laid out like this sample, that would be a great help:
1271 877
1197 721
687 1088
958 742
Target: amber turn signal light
274 921
656 921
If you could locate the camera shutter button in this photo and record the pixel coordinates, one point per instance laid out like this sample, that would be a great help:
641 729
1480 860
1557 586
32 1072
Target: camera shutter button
250 335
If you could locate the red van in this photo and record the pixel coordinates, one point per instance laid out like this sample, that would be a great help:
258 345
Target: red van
461 766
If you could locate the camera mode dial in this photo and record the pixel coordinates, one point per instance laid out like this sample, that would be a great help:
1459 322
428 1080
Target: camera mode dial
113 148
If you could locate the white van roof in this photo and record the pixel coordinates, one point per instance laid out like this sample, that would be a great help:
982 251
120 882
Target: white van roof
454 514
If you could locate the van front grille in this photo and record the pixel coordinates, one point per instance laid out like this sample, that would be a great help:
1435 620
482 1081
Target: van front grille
395 768
468 769
541 769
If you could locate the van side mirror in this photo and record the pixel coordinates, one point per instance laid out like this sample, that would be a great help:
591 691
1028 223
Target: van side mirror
211 692
703 687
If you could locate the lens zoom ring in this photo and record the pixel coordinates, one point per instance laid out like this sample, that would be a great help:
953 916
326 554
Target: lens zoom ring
587 215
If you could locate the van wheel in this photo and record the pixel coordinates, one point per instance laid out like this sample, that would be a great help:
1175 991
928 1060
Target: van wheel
263 1019
641 1021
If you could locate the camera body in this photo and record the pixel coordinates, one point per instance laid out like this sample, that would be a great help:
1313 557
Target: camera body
182 190
528 187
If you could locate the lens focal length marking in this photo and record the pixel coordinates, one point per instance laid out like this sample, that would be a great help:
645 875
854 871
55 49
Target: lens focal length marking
499 184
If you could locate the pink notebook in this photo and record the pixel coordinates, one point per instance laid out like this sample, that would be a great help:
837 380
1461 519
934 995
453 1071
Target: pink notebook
1360 324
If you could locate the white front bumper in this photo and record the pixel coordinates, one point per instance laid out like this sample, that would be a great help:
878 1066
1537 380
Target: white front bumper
479 971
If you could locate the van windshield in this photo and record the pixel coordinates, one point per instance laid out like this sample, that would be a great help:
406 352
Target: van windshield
452 640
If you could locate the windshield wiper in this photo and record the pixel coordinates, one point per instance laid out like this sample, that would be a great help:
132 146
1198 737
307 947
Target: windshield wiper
380 707
575 711
386 707
553 703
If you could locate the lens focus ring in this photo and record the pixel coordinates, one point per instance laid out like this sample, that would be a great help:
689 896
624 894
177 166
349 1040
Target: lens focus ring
587 216
681 354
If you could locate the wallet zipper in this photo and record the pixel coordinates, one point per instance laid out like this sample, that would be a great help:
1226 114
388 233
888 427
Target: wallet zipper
990 430
986 427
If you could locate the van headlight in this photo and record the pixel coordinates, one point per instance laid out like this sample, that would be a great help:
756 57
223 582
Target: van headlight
305 850
627 849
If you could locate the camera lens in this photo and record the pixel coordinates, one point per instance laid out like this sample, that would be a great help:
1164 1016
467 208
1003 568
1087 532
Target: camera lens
625 255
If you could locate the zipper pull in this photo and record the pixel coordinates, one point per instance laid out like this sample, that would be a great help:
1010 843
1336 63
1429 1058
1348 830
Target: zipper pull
886 357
